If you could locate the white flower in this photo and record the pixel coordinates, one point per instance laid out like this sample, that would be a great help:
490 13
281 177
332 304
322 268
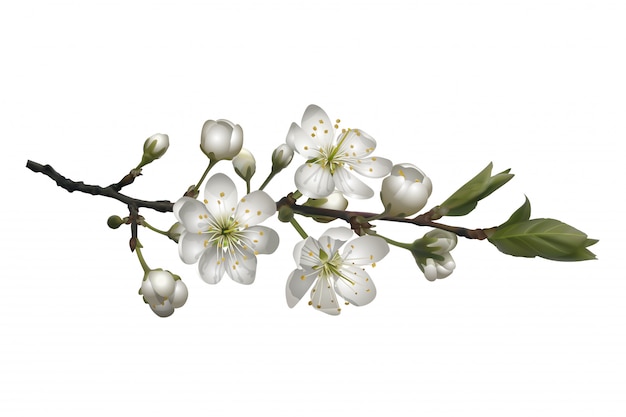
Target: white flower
163 292
331 273
221 139
331 161
221 233
434 269
244 164
406 190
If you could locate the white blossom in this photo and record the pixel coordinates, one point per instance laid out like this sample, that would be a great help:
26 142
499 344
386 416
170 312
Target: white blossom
406 190
163 292
434 269
330 273
222 232
332 161
221 139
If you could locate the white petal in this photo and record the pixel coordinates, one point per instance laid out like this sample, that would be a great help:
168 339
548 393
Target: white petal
220 195
309 253
351 185
298 283
373 167
148 293
314 181
211 265
240 265
305 145
162 282
180 295
339 233
357 288
297 249
191 246
316 122
261 239
255 208
163 310
193 215
178 204
365 250
357 143
323 297
333 239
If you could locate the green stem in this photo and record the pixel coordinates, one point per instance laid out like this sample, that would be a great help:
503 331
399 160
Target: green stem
154 229
206 171
268 179
142 261
388 240
298 228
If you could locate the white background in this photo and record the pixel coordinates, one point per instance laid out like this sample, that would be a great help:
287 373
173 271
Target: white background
536 86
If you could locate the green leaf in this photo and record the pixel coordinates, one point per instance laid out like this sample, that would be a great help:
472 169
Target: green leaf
465 199
546 238
520 215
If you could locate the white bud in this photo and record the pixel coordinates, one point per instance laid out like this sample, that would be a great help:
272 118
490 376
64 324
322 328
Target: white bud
406 190
163 292
155 147
244 164
221 139
281 157
434 269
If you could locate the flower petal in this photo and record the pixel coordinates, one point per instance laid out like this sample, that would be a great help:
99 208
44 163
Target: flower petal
254 208
357 144
316 123
192 214
323 297
298 283
163 310
191 246
304 144
373 167
240 265
220 195
211 265
309 253
179 297
314 181
351 185
261 239
357 288
365 250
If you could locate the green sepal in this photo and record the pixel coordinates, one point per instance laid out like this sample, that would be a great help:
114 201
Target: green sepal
546 238
465 199
323 256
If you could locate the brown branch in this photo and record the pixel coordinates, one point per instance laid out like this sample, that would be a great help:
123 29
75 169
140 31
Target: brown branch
359 220
112 191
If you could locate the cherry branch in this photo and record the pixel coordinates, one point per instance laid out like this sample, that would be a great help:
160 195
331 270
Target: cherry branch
359 221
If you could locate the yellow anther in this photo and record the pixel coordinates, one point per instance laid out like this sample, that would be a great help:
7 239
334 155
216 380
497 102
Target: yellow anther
321 122
374 265
222 194
337 121
303 277
401 173
373 159
206 201
312 135
258 213
306 148
247 211
243 200
314 127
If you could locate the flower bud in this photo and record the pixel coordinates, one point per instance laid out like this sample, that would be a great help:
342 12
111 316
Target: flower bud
432 254
406 190
244 164
175 231
221 139
154 147
163 291
281 157
115 221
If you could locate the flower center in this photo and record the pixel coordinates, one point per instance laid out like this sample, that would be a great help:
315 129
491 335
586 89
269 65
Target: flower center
224 233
